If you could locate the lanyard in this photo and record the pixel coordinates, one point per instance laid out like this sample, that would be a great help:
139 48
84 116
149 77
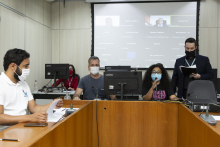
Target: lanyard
70 81
188 62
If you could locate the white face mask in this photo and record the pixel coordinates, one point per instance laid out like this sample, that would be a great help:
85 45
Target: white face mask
24 75
94 70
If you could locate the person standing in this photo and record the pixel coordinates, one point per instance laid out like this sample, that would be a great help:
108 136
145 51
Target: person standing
204 68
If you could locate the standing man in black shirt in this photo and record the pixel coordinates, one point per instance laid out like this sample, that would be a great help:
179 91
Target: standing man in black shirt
204 68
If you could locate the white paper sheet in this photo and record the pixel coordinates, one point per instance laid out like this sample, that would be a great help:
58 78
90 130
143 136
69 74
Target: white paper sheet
216 117
50 110
58 114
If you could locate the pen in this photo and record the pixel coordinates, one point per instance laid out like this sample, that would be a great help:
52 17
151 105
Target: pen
2 139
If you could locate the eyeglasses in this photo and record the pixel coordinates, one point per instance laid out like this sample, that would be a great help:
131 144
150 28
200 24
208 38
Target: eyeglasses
156 72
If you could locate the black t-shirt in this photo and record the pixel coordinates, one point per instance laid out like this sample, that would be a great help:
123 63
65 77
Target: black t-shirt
161 93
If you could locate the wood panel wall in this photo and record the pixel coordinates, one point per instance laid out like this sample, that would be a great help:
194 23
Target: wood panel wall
193 131
135 124
75 131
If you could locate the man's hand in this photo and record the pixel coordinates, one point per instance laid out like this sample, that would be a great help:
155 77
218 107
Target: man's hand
76 98
39 117
59 104
113 97
196 76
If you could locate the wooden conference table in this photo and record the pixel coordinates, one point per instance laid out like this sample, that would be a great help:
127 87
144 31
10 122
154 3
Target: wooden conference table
120 124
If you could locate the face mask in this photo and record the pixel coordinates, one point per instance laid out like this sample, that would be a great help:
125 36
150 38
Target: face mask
154 76
190 54
94 70
70 72
25 73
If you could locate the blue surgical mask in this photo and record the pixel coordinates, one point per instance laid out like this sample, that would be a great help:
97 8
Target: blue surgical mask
154 76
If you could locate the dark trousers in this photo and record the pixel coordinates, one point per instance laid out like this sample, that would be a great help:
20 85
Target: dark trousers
184 93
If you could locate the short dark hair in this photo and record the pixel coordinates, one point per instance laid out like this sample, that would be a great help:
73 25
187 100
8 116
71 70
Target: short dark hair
191 40
93 58
14 56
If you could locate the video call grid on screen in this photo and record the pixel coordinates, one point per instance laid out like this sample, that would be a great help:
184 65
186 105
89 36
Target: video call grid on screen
142 34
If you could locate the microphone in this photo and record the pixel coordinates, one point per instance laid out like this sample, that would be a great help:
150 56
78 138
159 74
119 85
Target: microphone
155 96
63 87
208 118
71 110
96 93
191 93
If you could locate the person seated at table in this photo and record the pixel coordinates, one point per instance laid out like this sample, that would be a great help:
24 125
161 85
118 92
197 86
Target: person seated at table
92 85
156 84
15 94
70 83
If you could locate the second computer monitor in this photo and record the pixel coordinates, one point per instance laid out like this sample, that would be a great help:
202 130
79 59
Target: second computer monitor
122 82
56 71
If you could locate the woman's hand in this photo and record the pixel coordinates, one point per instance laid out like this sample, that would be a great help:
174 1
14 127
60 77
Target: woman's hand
154 84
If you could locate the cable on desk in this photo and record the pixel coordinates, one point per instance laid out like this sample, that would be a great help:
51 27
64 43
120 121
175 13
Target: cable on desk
97 124
203 109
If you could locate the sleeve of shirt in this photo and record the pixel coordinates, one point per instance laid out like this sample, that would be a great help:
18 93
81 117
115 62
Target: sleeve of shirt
175 77
144 90
170 91
81 84
2 98
209 73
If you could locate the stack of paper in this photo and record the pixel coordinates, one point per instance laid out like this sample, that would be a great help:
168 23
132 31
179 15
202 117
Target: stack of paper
54 117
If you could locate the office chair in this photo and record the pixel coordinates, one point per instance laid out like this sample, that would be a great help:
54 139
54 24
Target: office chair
201 89
78 77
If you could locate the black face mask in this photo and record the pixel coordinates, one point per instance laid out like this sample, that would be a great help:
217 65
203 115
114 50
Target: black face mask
190 54
15 75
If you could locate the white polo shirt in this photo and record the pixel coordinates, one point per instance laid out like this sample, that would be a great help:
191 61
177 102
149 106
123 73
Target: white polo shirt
14 97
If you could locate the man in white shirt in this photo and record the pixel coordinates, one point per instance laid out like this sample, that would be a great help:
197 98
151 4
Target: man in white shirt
15 94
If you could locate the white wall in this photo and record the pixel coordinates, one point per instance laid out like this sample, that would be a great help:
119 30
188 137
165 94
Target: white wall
31 32
76 16
71 33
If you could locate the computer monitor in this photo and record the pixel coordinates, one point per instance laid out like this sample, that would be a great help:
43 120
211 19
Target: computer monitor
56 71
122 82
118 68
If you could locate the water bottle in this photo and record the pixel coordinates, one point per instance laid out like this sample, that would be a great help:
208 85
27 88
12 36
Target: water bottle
35 86
67 96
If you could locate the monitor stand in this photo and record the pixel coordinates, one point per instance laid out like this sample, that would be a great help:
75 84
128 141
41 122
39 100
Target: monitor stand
122 87
54 87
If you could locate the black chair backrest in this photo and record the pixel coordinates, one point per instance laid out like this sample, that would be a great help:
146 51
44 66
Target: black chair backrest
78 77
204 89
